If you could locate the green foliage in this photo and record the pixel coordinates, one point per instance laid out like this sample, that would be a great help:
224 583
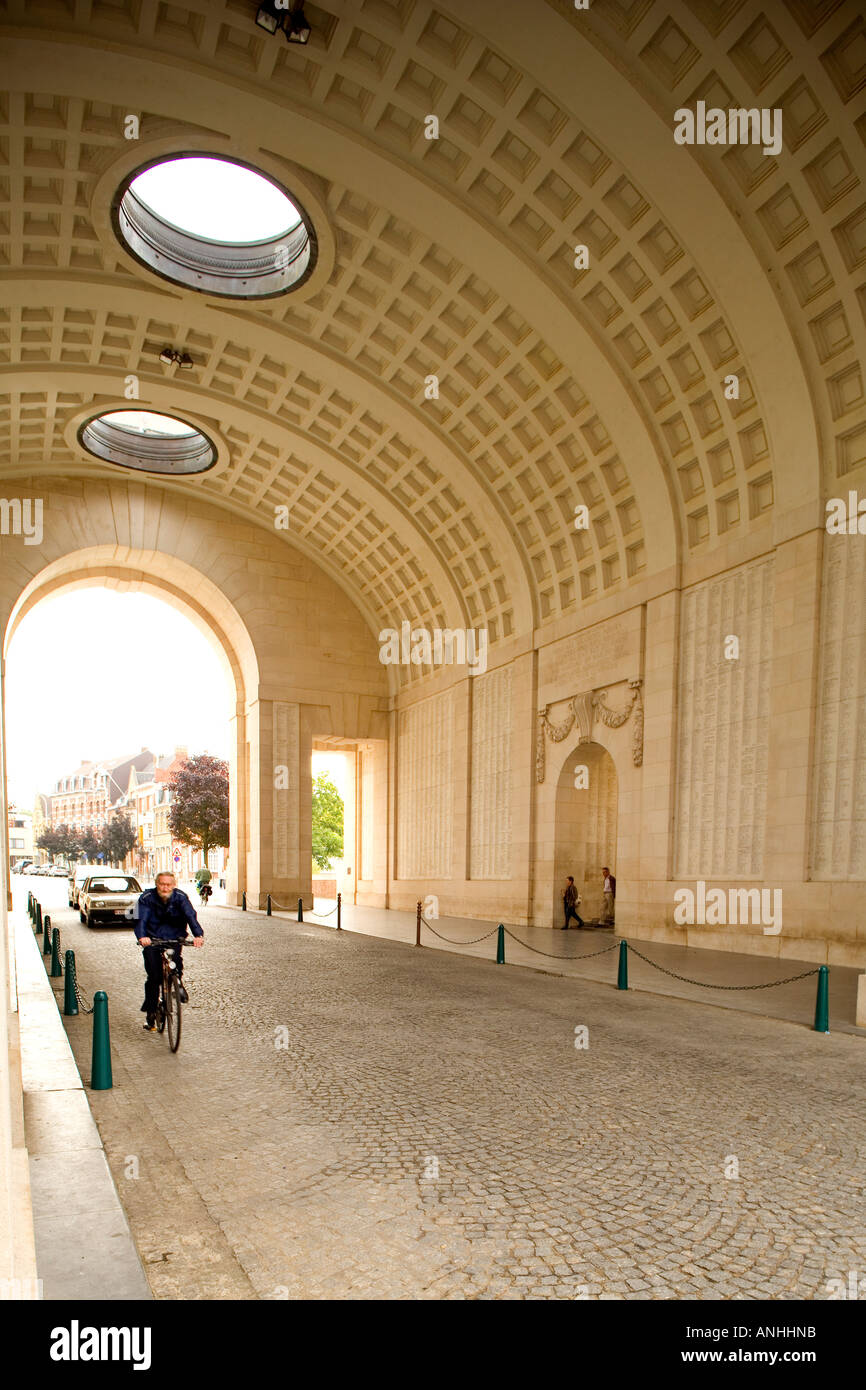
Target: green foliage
327 822
116 840
199 813
113 843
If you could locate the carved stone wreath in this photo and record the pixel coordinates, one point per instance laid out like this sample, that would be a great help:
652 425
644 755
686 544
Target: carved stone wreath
582 709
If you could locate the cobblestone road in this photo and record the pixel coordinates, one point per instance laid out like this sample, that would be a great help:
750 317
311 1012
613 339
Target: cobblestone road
352 1118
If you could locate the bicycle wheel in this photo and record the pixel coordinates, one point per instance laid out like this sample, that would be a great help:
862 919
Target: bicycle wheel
173 1011
160 1007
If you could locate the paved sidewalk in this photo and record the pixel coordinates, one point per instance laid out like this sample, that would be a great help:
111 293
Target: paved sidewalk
578 954
351 1117
84 1248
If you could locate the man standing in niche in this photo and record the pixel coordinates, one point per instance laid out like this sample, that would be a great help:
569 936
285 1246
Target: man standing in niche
570 899
609 895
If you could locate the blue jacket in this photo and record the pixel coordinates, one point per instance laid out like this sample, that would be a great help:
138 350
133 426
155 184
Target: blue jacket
168 919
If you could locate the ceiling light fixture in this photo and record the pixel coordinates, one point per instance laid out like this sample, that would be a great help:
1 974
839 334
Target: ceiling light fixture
296 28
273 16
170 357
270 16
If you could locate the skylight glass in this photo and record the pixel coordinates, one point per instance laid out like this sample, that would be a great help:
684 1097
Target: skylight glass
217 199
215 225
148 441
148 422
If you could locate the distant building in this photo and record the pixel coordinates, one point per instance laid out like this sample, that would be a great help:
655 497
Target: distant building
40 820
20 825
82 798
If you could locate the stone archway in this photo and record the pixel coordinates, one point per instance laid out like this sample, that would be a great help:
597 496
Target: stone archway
585 833
303 661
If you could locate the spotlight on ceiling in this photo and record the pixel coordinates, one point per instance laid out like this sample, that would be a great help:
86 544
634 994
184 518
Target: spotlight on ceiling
297 30
270 16
170 357
273 16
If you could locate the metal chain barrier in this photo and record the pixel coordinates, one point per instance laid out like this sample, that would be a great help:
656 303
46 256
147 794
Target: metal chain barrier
84 1003
308 912
552 955
703 983
451 940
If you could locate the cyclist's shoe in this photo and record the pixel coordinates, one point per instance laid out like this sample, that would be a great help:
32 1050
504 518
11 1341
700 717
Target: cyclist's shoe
184 997
149 1024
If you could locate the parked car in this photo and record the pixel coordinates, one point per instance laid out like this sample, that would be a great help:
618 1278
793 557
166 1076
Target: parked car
106 897
37 869
79 875
58 871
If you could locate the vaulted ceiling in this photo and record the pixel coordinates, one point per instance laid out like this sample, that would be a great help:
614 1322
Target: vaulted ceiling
454 257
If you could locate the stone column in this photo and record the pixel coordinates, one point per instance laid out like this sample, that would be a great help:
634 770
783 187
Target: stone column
239 772
796 612
280 748
646 915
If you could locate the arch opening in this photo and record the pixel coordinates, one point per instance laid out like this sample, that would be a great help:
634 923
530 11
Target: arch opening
585 827
207 609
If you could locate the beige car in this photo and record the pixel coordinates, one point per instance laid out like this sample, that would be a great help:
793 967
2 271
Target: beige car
109 896
77 879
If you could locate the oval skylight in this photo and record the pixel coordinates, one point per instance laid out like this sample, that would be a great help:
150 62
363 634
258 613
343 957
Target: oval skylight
148 441
215 225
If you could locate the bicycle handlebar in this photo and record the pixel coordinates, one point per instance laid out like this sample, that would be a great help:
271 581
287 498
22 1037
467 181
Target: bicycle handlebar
165 941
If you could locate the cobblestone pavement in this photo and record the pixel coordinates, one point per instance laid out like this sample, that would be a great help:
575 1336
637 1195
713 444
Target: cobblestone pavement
350 1117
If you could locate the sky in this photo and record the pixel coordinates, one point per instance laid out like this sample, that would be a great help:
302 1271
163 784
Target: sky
84 681
217 199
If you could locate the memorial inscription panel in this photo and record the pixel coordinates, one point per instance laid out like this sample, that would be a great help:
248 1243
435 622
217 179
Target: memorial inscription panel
723 732
424 788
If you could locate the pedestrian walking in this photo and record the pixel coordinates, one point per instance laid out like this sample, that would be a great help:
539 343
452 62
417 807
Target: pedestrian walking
570 899
609 898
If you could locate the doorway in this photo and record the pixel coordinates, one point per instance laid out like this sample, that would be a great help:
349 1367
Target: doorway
586 824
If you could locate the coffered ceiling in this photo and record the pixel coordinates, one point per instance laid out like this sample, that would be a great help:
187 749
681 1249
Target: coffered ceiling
454 257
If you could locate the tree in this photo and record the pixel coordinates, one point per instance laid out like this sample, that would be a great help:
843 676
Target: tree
90 846
199 813
60 839
117 839
327 822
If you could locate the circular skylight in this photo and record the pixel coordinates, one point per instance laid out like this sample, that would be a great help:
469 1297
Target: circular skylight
215 225
149 422
148 441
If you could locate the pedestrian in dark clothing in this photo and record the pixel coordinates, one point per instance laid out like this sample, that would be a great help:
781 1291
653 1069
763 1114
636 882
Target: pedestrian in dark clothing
570 899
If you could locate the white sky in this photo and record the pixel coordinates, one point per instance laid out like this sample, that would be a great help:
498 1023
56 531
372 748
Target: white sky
139 695
217 199
133 695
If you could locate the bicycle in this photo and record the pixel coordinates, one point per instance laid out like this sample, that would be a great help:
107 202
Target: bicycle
168 1009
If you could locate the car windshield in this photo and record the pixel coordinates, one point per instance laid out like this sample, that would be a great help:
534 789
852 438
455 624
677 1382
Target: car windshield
113 885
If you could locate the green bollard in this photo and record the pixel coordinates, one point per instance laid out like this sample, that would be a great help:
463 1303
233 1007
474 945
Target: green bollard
100 1061
300 909
29 904
70 998
56 970
622 973
46 939
244 900
38 918
500 945
339 911
822 1001
269 905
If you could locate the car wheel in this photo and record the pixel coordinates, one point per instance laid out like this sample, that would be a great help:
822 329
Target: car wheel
88 920
81 915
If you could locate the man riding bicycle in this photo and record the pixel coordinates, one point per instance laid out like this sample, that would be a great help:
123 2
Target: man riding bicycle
164 913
